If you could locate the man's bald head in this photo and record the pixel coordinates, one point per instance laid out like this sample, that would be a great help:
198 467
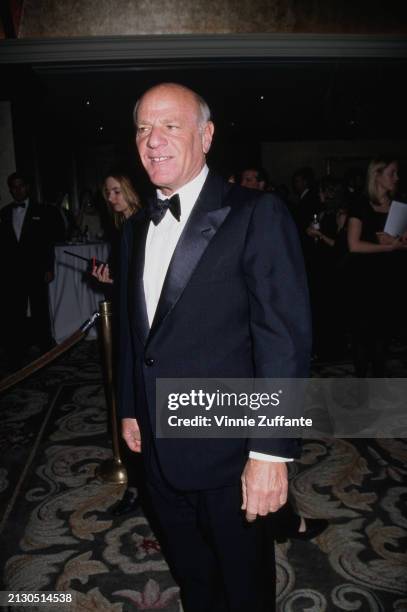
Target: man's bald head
173 134
203 110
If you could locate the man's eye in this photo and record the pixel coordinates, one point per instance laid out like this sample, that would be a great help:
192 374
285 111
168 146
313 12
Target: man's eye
171 126
142 129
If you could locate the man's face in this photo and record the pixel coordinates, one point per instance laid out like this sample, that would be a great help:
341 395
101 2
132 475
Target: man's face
250 179
19 190
170 140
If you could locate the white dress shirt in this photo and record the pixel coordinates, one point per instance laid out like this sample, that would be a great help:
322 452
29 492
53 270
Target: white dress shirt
162 240
160 246
18 219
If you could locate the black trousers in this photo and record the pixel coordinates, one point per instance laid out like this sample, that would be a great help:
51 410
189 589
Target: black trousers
20 331
221 562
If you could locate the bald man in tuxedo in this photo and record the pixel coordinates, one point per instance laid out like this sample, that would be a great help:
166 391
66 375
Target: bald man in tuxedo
212 285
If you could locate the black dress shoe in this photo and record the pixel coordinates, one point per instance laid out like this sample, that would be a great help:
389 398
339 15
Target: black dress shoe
127 504
313 527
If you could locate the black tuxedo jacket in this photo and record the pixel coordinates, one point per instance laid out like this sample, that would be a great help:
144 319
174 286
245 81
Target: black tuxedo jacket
234 304
28 259
307 207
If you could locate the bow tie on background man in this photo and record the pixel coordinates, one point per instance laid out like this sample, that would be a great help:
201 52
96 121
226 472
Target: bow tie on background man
158 208
18 204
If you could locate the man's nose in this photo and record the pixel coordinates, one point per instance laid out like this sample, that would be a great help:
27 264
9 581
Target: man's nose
156 138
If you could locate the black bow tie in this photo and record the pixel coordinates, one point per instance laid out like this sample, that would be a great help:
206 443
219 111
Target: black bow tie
158 208
18 204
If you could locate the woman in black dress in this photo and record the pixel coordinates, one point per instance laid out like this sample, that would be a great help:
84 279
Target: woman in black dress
375 268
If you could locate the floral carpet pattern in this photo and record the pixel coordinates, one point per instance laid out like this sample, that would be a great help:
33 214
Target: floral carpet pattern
57 533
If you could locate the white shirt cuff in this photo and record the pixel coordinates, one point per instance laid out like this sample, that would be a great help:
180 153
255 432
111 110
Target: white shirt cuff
266 457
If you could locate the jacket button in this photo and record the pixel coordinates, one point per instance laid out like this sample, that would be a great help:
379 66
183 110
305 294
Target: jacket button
149 361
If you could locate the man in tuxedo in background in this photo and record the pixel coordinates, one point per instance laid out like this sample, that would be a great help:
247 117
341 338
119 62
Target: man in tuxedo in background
212 285
304 185
28 232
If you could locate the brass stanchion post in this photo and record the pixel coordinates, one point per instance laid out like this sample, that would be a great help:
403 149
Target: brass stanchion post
111 470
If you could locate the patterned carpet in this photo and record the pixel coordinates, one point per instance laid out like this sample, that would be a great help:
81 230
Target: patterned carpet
57 533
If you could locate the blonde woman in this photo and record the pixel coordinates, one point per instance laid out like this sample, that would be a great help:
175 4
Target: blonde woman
122 202
368 216
377 269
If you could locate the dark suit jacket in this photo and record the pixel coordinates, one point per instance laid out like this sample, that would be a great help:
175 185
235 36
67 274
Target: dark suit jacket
234 304
306 208
28 259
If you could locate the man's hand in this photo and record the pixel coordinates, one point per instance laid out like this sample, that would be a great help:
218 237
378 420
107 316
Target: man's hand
264 487
313 233
131 434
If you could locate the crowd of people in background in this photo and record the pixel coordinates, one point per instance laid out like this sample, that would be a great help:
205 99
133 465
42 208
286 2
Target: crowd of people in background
353 267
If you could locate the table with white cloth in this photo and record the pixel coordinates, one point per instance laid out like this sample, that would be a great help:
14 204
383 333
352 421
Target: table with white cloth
74 295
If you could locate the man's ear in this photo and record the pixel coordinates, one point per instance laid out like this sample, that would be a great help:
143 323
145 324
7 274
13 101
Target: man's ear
207 135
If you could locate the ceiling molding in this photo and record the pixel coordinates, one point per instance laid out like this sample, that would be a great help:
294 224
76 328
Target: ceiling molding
108 50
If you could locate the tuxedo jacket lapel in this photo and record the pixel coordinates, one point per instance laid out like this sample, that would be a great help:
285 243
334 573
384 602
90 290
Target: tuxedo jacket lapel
136 270
206 217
